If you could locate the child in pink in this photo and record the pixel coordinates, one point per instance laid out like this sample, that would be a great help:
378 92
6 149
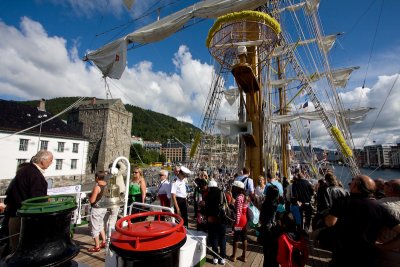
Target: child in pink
240 226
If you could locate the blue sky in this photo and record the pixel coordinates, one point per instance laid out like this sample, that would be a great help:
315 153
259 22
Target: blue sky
42 43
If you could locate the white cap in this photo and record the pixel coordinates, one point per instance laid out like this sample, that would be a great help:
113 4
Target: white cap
238 184
242 50
212 183
185 170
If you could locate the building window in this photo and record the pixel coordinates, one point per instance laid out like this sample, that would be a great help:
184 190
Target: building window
74 163
75 147
20 161
44 145
23 144
59 164
60 147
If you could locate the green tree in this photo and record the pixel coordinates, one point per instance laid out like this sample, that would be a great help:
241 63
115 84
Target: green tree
162 158
136 153
150 156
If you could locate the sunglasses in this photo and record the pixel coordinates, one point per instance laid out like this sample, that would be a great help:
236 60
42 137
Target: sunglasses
135 172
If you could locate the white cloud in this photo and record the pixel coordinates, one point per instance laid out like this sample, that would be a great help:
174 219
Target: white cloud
381 125
35 65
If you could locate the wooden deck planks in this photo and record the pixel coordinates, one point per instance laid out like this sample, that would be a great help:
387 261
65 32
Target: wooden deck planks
255 257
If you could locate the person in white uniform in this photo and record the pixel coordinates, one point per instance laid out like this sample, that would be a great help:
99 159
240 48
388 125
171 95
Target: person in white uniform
164 189
179 194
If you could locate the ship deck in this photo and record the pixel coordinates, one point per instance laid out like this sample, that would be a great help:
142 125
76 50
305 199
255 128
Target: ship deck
318 258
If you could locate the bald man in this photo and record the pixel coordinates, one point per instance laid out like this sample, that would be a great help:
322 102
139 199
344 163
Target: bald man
358 220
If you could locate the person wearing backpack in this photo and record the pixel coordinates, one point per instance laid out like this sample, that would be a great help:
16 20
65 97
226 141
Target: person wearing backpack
292 246
240 226
248 183
215 225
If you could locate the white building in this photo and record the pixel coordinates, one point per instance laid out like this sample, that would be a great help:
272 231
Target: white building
69 154
68 147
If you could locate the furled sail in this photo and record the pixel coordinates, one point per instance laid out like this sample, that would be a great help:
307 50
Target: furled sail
310 7
325 44
352 115
231 95
104 57
110 59
341 76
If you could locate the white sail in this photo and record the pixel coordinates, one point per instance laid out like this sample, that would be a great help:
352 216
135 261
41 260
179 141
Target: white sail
353 115
281 82
310 6
325 44
110 59
341 76
231 95
165 27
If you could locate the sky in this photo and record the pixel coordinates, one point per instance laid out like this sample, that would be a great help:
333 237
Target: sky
43 42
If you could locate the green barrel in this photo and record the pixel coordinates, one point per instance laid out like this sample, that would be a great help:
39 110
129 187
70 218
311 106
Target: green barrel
45 238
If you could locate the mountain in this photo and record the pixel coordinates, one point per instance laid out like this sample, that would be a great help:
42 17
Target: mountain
150 125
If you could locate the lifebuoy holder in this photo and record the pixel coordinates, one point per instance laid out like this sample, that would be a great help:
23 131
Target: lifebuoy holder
148 235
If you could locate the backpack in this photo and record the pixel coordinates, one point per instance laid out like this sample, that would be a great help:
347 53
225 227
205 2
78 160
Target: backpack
253 215
225 213
244 180
292 253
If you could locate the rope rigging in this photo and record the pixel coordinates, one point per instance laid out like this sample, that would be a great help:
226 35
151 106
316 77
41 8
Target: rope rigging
373 44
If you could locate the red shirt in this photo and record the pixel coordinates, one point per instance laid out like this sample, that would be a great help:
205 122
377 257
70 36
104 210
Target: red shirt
241 211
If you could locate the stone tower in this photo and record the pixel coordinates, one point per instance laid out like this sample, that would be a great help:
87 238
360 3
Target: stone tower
107 125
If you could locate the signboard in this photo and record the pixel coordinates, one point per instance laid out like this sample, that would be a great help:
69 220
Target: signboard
69 190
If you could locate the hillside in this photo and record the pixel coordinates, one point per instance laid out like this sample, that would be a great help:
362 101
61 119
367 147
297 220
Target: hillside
150 125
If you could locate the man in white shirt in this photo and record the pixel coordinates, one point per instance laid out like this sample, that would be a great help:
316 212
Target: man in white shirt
247 181
178 194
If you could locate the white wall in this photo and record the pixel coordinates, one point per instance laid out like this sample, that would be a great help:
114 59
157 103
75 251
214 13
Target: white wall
10 153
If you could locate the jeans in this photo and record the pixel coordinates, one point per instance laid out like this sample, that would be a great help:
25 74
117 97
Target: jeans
306 210
216 237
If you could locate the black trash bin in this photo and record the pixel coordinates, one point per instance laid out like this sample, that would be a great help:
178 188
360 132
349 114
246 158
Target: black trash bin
149 243
45 238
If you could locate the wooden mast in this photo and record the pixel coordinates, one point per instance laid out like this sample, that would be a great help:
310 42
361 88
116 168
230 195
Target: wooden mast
284 127
248 36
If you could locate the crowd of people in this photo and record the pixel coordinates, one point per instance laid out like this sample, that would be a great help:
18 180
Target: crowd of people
361 225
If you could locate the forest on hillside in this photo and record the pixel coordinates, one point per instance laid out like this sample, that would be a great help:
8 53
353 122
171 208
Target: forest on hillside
150 125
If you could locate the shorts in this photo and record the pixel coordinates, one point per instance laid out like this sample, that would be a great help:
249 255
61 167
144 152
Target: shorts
97 221
240 235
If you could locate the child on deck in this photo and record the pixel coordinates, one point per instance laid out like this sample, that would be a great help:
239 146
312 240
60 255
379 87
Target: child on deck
295 210
292 246
97 214
240 226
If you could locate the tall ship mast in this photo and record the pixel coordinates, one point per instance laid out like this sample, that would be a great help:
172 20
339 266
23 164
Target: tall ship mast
277 55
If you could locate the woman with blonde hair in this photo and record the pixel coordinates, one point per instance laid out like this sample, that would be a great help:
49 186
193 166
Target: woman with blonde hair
137 187
259 191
